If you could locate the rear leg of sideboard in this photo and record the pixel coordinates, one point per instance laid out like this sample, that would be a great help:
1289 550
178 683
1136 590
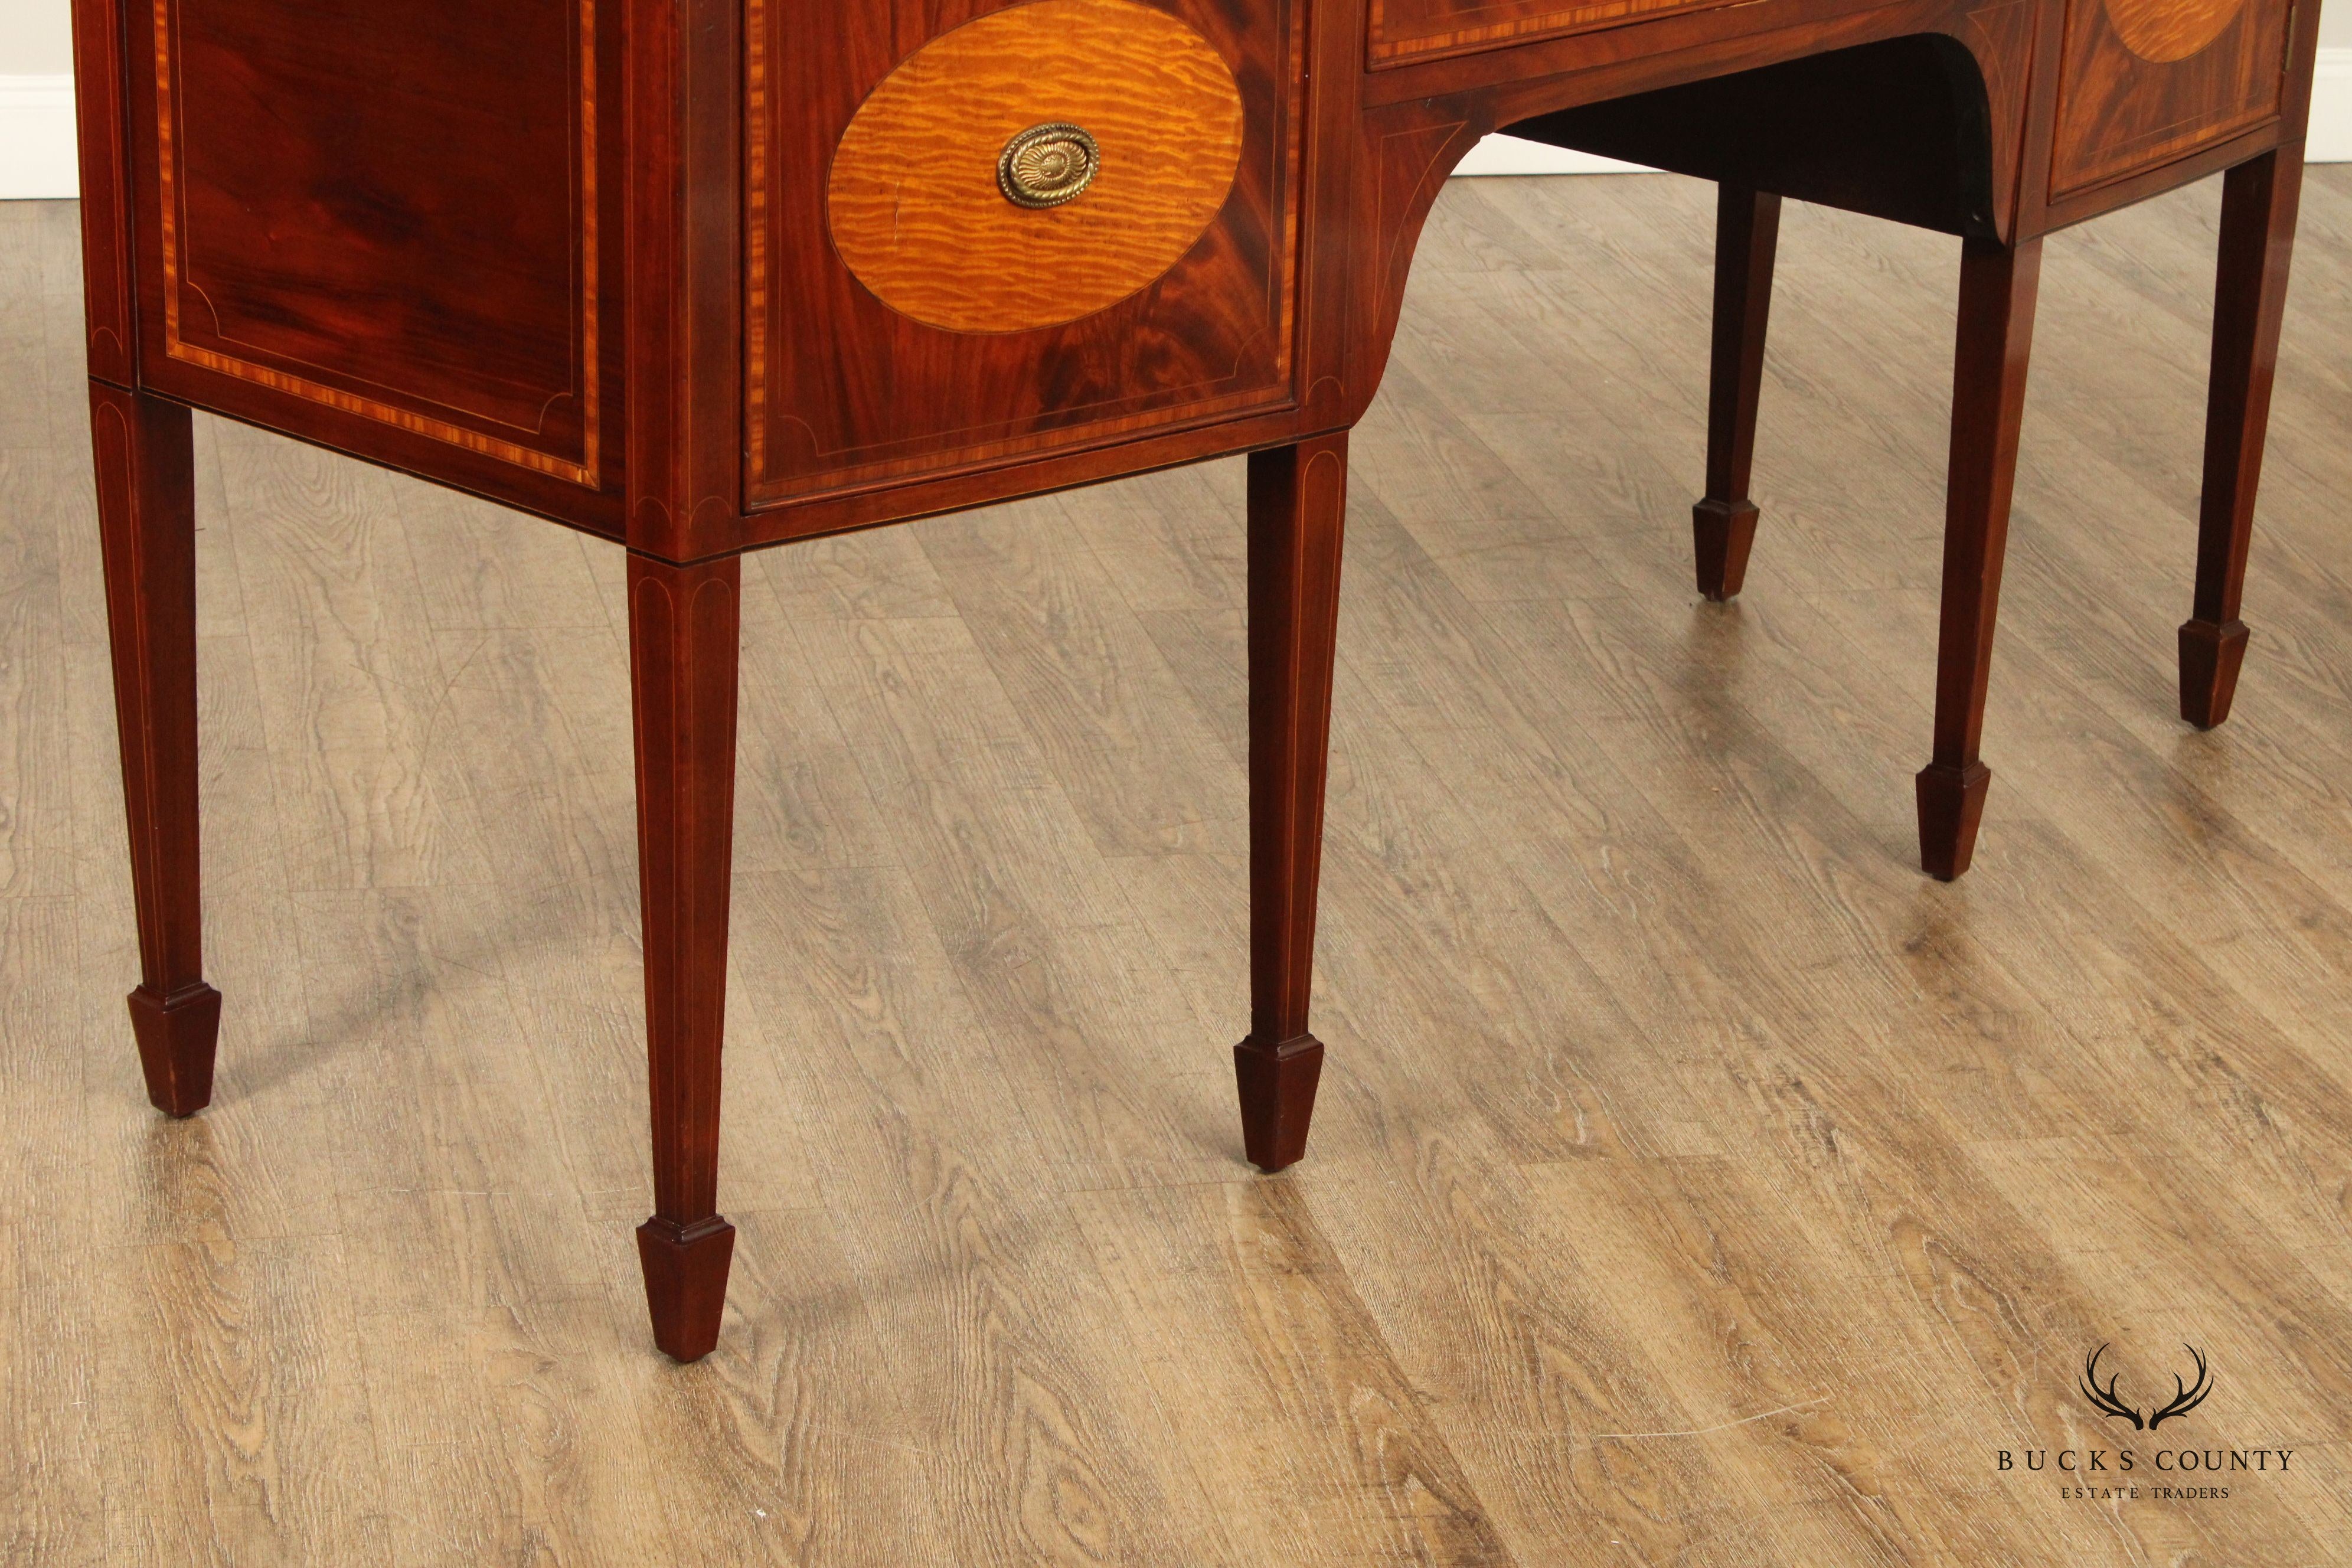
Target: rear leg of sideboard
1297 506
1747 241
685 644
2259 204
144 450
1998 288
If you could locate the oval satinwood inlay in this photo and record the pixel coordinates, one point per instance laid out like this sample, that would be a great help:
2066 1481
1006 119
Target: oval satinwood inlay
2166 30
918 198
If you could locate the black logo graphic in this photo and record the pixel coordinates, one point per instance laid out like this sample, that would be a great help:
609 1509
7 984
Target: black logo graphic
2186 1397
2167 1475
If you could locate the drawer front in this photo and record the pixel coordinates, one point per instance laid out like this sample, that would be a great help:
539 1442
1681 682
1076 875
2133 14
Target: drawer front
1006 229
2147 81
386 217
1404 31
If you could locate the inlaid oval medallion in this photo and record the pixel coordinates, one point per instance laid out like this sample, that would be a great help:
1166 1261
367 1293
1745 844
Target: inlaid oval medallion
2165 30
1038 165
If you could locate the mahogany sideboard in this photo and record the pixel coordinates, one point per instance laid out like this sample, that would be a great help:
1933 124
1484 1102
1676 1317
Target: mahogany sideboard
706 276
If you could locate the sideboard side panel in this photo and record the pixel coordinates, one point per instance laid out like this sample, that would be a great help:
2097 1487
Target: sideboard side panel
388 228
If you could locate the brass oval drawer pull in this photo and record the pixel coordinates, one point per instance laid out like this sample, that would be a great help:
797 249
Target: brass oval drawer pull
1046 165
946 221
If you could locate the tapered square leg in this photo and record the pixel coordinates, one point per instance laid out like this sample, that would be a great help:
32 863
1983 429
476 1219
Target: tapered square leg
1297 506
684 636
2259 205
1747 242
143 453
1998 287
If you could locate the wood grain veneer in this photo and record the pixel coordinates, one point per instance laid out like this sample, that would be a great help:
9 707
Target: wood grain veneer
1411 30
913 199
309 162
2168 30
2144 82
844 392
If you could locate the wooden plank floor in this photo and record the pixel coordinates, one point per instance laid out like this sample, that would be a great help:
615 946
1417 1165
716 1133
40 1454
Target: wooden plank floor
1695 1183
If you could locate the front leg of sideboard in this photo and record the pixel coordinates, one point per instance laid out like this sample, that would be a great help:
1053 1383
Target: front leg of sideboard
685 640
2258 219
1998 288
1723 524
1297 506
143 447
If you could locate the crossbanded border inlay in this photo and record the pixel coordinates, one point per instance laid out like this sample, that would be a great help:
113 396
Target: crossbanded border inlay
585 472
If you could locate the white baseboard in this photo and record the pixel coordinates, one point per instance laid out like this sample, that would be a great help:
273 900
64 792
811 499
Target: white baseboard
37 135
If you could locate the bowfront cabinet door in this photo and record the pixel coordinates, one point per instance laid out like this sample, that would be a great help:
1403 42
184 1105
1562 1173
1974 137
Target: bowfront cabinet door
392 225
976 232
2144 82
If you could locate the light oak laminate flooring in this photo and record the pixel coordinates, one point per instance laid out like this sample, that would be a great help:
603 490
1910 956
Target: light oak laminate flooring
1694 1182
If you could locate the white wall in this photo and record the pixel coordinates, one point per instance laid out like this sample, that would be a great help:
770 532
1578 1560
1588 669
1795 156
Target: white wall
2331 95
37 106
37 155
35 37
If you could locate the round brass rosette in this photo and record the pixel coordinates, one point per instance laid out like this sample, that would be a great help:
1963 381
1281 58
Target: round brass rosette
1046 165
